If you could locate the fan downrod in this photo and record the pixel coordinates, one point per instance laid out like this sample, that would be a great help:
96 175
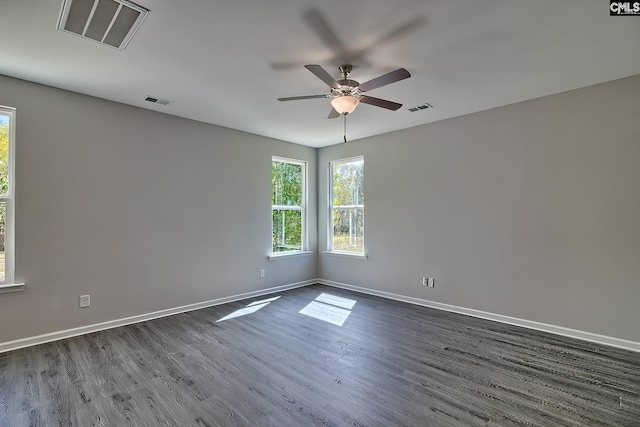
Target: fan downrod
347 86
345 70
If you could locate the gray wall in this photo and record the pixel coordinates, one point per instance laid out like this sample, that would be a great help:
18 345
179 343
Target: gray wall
141 210
531 210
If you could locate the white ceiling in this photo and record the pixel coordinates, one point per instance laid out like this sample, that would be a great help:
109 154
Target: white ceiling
225 62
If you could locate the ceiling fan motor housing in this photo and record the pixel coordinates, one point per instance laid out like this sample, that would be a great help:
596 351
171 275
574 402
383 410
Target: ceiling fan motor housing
347 87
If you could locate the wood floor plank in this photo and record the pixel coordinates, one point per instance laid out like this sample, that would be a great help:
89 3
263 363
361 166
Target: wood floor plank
389 364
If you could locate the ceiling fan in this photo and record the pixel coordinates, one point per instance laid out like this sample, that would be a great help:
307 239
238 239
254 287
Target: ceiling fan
346 53
346 94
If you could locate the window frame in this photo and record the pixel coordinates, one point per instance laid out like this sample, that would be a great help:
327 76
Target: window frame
9 244
304 242
330 219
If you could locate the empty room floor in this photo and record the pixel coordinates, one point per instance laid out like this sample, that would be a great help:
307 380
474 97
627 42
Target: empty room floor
319 356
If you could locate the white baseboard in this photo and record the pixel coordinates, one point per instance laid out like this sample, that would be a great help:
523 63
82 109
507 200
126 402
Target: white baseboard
68 333
558 330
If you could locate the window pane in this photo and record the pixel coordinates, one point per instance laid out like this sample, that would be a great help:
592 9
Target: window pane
286 184
287 199
3 215
7 136
4 154
287 230
348 183
348 230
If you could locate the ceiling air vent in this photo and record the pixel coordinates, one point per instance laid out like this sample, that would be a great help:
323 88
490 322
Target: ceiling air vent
157 100
110 22
424 106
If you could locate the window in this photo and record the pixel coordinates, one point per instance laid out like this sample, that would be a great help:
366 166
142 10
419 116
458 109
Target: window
288 200
346 203
7 142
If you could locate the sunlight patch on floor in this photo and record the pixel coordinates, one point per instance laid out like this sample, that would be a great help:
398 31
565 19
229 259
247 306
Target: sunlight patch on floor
336 300
263 301
250 308
329 308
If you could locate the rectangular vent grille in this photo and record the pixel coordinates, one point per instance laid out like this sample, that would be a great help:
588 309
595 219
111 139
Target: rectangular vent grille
110 22
157 100
424 106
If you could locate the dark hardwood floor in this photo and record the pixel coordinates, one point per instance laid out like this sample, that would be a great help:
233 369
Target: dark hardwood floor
389 364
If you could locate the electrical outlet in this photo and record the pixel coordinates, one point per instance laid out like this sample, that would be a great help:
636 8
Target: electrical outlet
85 301
429 282
262 272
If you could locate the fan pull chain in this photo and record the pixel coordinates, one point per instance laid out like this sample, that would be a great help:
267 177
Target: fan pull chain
345 128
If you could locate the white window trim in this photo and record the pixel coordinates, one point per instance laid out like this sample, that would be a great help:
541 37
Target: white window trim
302 208
13 287
330 251
355 255
9 269
281 255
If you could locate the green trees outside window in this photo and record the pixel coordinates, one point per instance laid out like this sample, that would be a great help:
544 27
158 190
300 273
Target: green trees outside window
347 206
4 185
288 181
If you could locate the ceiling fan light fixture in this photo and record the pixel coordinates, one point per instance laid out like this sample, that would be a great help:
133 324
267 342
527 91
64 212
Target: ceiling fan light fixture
345 104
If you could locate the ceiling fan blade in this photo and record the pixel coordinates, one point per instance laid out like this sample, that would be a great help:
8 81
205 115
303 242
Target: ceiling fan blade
296 98
322 74
396 33
333 114
385 79
389 105
287 65
321 26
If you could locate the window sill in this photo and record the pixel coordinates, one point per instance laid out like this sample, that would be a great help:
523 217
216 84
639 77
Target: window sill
13 287
346 255
281 255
